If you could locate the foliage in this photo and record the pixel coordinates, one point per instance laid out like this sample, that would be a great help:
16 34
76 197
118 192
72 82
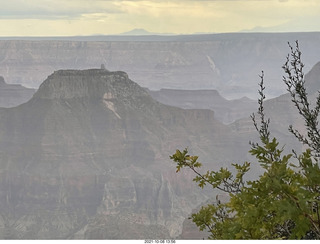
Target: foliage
283 203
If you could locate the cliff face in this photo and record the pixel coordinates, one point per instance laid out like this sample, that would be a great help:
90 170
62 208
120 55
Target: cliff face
313 79
283 113
13 95
88 158
226 111
178 62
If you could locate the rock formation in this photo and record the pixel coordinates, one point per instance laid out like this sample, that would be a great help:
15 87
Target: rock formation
13 95
229 63
88 158
226 111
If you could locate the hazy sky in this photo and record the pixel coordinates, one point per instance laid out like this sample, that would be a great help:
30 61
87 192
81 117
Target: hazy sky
89 17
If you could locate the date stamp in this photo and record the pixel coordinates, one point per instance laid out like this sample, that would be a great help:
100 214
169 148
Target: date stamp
160 241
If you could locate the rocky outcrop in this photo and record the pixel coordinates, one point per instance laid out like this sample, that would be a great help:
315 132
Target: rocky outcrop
13 95
88 157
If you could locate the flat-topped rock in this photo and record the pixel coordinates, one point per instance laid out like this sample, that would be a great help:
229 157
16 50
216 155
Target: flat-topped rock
67 84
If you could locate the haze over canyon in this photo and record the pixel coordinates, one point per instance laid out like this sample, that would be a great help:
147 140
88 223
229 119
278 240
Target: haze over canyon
84 147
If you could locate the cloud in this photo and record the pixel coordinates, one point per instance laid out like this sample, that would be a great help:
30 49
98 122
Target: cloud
55 9
73 17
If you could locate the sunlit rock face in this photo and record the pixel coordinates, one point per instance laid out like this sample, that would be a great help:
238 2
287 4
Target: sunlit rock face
88 158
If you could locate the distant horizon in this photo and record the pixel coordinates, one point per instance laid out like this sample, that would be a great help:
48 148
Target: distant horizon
126 34
179 17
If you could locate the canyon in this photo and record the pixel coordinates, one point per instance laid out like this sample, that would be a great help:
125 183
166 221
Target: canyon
85 153
229 63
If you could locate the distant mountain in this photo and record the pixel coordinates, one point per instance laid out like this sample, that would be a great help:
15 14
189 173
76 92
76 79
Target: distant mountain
300 24
88 158
13 95
142 32
226 111
139 32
